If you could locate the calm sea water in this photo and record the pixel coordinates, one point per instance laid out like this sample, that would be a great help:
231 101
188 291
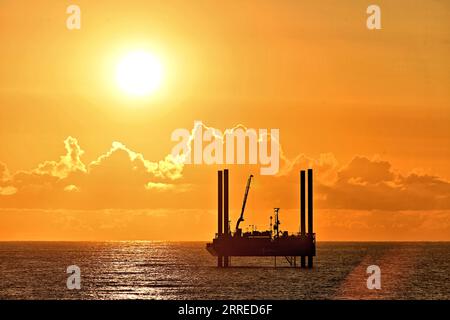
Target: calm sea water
165 270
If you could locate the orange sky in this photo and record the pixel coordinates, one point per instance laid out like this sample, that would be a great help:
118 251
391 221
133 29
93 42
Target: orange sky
368 110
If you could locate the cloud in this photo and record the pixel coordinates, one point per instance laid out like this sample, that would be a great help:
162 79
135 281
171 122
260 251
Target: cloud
7 191
118 178
168 168
363 170
325 166
46 174
366 197
70 162
362 184
159 186
71 188
5 188
123 178
4 174
366 184
376 225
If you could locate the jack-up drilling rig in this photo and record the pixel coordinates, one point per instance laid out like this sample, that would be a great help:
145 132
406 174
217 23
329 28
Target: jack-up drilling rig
264 243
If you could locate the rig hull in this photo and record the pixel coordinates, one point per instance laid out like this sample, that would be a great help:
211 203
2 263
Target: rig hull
262 246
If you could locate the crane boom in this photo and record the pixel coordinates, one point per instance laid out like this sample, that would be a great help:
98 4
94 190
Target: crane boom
247 188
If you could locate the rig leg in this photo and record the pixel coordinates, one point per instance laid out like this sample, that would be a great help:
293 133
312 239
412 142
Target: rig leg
219 261
225 262
310 262
303 262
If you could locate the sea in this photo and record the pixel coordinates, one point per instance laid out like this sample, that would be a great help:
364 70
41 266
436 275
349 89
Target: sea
185 270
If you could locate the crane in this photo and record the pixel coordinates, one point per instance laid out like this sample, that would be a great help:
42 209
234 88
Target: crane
241 218
276 226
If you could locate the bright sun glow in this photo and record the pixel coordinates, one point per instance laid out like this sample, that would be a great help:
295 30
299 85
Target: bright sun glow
139 73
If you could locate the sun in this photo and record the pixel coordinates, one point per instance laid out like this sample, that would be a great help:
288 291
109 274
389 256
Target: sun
139 74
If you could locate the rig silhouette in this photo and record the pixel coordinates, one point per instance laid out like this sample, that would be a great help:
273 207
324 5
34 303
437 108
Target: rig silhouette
273 242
